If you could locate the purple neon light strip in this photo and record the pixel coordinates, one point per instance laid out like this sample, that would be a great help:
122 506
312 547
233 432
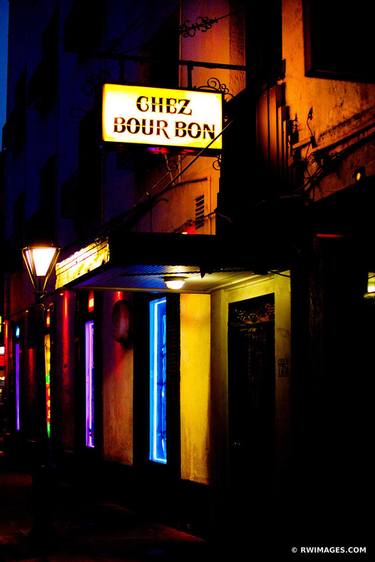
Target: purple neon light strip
17 383
89 370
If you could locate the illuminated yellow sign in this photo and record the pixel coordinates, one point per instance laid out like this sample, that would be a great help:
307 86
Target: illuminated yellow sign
162 116
85 260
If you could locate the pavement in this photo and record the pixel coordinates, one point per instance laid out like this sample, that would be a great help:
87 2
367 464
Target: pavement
83 528
84 525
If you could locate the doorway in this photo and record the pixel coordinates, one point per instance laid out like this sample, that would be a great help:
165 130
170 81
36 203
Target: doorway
251 384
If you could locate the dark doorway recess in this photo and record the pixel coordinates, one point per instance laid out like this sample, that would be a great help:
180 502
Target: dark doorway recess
251 357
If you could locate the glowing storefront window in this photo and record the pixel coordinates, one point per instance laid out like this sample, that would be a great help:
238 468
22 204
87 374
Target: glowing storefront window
158 379
47 364
89 383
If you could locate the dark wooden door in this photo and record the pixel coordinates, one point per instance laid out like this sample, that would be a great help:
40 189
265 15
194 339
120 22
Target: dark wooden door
251 357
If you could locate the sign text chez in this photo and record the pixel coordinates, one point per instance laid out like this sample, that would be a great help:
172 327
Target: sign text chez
162 116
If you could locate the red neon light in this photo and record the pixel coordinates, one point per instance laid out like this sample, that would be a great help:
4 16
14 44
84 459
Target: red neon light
158 150
118 295
91 302
48 403
65 305
31 365
329 235
6 342
189 230
48 319
65 330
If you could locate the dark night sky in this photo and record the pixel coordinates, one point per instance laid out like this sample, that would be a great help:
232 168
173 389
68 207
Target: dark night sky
3 60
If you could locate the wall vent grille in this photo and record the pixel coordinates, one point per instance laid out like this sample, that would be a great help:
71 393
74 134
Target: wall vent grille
199 211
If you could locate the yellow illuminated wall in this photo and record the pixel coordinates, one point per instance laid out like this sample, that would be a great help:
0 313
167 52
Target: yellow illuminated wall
195 386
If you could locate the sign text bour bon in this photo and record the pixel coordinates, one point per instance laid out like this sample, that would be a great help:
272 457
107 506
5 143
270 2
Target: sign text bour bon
162 116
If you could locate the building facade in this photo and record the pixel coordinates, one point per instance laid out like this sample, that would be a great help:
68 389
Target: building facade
245 387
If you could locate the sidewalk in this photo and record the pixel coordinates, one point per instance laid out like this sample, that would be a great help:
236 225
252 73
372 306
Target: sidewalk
85 530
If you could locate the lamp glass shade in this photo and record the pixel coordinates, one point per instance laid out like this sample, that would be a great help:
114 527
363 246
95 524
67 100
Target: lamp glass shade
42 258
40 261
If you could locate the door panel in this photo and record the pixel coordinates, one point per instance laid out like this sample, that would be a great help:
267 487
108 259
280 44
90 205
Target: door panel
251 358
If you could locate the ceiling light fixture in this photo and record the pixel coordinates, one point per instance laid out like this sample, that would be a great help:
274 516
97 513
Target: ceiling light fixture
174 282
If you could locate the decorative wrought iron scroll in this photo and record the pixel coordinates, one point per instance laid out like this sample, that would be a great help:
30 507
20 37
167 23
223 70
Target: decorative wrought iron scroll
203 23
214 85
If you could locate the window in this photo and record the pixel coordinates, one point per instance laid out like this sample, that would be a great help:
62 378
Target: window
89 173
163 49
68 197
15 130
42 223
158 380
84 26
338 40
19 220
89 384
43 85
263 41
48 183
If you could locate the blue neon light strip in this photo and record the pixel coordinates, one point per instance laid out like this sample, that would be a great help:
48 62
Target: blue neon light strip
158 379
89 383
17 385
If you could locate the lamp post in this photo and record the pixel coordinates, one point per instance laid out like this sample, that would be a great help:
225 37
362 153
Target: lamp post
40 260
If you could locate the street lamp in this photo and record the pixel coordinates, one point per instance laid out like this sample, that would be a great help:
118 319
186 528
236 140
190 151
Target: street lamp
40 260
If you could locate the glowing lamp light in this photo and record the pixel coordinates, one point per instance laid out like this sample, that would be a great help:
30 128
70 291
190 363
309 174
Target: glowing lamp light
91 302
371 284
40 260
2 350
359 174
370 294
174 283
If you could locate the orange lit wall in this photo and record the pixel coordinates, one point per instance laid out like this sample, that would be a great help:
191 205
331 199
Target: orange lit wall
339 107
117 390
223 43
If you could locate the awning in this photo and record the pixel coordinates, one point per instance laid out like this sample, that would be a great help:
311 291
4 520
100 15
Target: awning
139 262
